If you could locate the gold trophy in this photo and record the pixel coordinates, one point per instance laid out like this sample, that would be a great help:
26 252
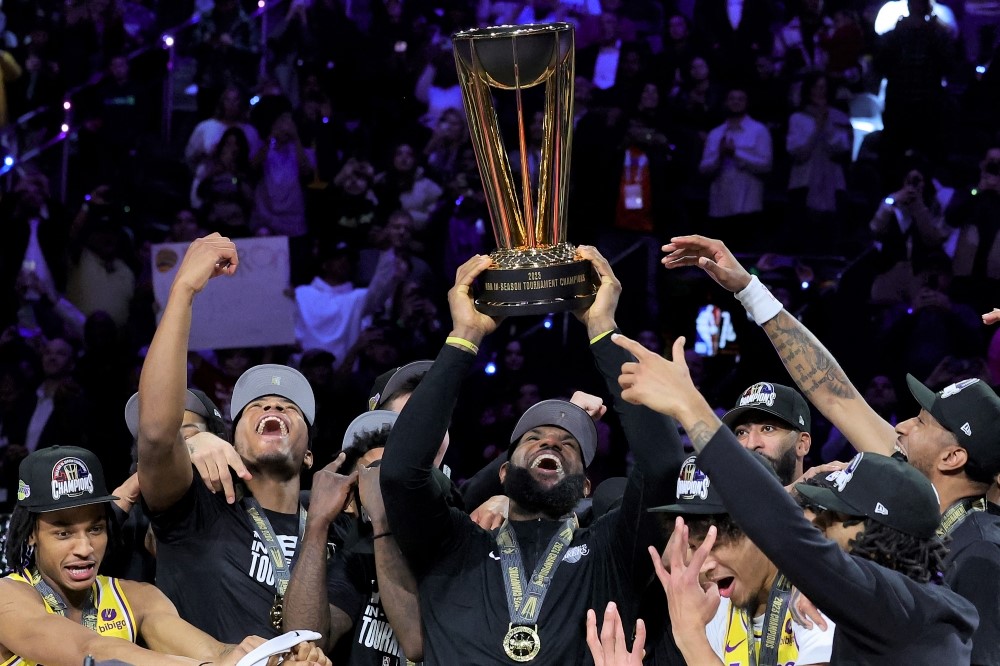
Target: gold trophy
534 269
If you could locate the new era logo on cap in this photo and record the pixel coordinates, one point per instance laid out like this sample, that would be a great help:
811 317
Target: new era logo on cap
275 380
778 400
970 410
882 488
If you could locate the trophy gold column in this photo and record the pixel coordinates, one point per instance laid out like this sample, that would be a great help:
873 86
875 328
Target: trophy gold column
534 270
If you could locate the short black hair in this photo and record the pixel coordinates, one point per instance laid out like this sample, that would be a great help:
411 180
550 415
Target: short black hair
727 531
363 443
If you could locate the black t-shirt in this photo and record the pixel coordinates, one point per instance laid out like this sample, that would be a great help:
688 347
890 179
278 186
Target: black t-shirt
462 597
353 588
214 568
973 570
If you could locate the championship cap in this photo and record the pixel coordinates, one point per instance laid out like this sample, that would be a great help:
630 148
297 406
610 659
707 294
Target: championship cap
367 422
695 493
273 379
970 410
195 401
560 414
775 399
391 381
60 477
886 489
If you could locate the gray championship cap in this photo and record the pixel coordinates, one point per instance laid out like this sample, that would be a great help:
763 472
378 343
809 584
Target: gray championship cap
194 401
560 414
367 422
273 379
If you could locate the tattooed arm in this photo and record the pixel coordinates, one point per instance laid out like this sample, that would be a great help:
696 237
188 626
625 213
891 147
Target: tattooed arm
810 364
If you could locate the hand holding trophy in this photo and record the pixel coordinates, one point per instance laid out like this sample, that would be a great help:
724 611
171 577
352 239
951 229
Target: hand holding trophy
534 270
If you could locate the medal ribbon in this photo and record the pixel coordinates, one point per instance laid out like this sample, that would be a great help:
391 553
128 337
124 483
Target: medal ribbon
54 601
262 526
524 598
958 512
774 622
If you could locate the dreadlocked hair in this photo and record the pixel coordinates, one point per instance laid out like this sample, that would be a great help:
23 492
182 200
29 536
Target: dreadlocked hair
21 556
920 559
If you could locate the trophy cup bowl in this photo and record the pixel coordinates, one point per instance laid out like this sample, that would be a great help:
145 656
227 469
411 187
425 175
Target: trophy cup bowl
534 270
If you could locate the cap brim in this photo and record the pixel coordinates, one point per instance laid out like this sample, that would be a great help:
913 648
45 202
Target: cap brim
923 395
92 500
367 422
731 417
192 403
401 377
827 499
700 509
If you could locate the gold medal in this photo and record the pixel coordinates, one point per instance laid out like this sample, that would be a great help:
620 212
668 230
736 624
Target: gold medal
277 611
522 643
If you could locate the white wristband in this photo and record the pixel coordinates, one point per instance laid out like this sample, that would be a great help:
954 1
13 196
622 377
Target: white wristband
758 301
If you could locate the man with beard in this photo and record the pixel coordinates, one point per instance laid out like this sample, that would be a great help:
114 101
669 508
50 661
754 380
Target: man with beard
774 420
223 558
954 440
521 592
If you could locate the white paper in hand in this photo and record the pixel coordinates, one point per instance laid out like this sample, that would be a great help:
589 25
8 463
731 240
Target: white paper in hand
277 645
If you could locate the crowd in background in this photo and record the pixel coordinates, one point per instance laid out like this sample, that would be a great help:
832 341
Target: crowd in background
341 127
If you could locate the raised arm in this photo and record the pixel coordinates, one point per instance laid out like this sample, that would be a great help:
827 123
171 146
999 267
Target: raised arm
165 471
306 601
759 504
417 512
812 367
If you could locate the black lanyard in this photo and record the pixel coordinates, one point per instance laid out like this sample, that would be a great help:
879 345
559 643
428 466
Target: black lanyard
58 605
958 512
774 622
524 598
262 527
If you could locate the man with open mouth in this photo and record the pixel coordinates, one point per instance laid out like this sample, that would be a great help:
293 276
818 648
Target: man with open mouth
56 609
521 592
224 558
755 595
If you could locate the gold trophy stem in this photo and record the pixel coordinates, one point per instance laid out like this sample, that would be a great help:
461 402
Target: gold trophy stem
526 199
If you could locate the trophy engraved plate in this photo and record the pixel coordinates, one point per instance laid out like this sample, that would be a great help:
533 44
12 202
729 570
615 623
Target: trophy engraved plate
522 643
535 270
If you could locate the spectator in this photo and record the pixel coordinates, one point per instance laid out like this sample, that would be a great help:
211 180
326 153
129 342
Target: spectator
976 214
909 229
737 155
230 111
404 184
226 48
819 142
222 190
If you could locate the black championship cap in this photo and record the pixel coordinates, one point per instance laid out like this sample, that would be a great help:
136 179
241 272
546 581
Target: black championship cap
195 401
560 414
273 379
695 494
368 422
775 399
886 489
61 477
970 410
391 381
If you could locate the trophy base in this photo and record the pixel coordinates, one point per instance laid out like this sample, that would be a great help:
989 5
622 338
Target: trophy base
508 292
